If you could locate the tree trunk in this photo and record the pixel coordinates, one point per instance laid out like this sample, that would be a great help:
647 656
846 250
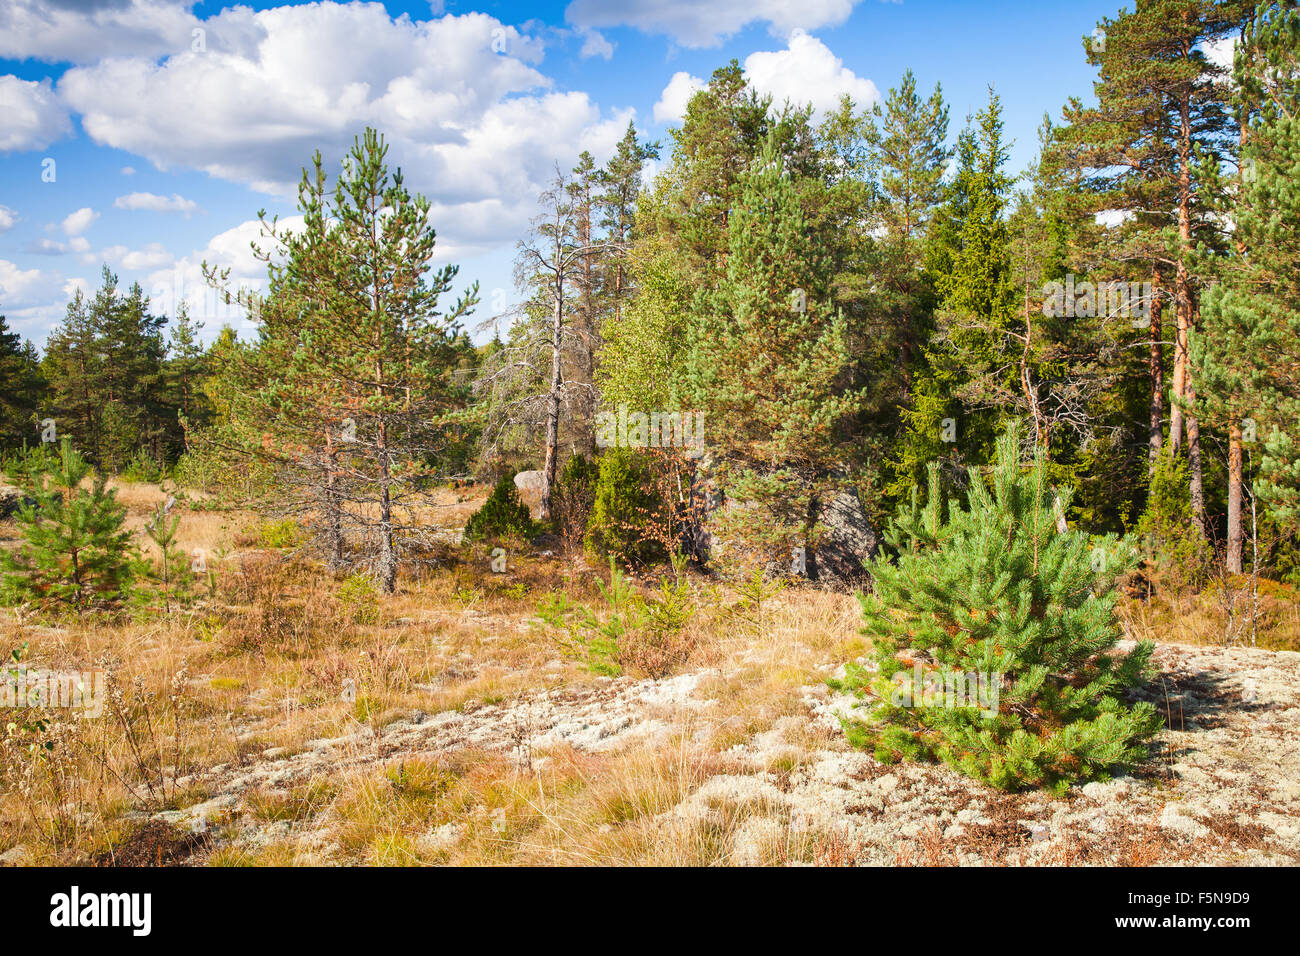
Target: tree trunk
1196 482
553 406
1235 532
1156 365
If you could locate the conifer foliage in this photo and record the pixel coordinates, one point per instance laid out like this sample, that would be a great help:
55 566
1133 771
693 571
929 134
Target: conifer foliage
997 591
74 553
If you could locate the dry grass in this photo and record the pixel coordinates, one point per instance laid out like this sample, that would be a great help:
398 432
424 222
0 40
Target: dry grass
282 656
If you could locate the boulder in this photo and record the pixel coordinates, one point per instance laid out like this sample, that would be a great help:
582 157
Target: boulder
10 500
849 545
530 485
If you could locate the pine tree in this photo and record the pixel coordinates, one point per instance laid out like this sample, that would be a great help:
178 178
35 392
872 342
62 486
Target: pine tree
21 388
770 360
1150 148
353 389
995 592
1246 352
74 552
907 145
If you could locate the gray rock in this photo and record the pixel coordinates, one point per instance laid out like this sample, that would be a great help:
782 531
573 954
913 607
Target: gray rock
531 484
850 543
16 856
11 499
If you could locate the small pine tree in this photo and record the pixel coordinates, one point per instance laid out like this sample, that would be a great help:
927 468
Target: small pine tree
996 590
172 572
75 551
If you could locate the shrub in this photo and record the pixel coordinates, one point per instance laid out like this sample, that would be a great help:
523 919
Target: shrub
1165 529
575 493
359 599
503 515
624 505
280 534
997 591
142 468
635 632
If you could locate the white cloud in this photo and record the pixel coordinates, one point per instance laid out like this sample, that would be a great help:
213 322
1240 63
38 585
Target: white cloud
594 44
672 102
155 203
33 300
74 224
128 170
83 31
182 279
807 72
1221 52
704 23
151 257
33 115
1110 218
17 285
8 218
468 125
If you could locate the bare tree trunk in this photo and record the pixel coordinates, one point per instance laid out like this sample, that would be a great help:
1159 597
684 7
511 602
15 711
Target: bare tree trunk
1235 531
553 403
333 516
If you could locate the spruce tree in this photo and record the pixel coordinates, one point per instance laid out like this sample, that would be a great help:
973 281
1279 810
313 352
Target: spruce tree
995 592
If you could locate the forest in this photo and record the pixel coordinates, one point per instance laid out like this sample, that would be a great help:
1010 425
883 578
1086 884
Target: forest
1036 423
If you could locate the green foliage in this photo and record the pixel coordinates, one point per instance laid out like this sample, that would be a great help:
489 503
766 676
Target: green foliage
1165 527
74 552
359 598
996 590
142 468
279 534
575 494
172 575
624 504
21 388
105 365
502 516
631 630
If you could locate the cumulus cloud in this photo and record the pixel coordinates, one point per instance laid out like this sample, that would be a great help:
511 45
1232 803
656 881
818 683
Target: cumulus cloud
33 115
74 224
705 23
467 116
152 256
177 280
83 31
155 203
807 72
8 218
672 102
34 299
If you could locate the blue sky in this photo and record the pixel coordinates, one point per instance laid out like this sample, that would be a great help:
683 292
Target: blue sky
146 134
